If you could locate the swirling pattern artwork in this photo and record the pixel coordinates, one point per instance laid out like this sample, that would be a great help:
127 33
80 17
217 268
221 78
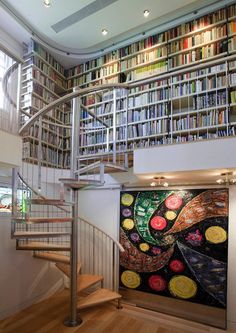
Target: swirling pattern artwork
176 244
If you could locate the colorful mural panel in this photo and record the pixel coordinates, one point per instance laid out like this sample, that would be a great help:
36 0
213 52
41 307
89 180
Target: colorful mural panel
176 244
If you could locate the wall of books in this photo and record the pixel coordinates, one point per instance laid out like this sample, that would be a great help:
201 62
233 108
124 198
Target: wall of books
189 93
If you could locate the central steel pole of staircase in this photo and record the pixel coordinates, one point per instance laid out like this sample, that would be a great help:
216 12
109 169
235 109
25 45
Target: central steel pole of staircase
74 318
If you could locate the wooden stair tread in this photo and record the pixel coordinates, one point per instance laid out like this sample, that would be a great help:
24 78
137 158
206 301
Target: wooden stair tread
43 246
32 220
87 280
97 297
66 268
79 183
55 257
53 202
38 234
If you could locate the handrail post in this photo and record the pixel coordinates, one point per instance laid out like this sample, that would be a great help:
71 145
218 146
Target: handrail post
114 126
18 99
75 135
14 199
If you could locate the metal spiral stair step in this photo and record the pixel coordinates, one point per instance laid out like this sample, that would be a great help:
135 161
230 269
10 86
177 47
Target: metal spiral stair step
95 168
50 202
97 297
39 246
38 234
66 268
32 220
55 257
84 281
79 183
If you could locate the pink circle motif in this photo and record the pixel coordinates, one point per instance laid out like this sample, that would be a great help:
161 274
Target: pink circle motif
177 266
157 283
173 202
156 250
158 223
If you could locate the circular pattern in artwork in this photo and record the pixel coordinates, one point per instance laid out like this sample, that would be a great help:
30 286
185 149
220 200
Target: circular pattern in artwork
156 250
144 247
130 279
215 235
176 266
182 287
128 224
127 199
173 202
126 212
170 215
158 223
135 237
157 283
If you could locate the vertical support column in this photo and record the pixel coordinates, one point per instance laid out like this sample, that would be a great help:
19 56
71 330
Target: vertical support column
114 127
75 135
74 319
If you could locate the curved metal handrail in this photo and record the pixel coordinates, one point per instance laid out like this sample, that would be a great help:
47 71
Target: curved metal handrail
6 76
120 247
67 98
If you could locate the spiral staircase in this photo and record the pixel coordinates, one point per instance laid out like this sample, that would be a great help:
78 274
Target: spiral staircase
48 223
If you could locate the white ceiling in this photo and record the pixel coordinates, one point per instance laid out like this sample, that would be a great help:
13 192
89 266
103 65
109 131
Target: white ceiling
123 19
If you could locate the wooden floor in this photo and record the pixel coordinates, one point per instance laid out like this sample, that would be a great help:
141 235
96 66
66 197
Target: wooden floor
47 317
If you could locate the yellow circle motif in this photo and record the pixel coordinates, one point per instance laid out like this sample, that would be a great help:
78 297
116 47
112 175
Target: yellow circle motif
216 235
170 215
128 224
130 279
144 247
127 199
182 287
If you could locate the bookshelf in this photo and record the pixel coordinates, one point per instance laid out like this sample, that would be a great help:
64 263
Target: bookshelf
44 81
182 88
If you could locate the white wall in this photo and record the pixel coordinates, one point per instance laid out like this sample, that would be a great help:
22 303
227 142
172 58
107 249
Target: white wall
190 156
11 149
101 207
24 280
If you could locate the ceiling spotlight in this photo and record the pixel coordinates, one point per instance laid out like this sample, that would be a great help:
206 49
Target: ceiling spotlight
159 181
47 3
226 178
146 13
104 32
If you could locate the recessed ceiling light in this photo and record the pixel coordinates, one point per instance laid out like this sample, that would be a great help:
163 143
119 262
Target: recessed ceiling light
146 13
153 184
104 32
165 184
219 181
47 3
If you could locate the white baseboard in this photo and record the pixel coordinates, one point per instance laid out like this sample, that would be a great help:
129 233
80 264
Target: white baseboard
231 325
36 299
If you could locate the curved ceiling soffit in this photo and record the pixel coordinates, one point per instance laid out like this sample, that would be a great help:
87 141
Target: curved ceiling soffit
148 29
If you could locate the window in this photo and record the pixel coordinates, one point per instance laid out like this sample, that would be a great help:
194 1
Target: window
6 199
